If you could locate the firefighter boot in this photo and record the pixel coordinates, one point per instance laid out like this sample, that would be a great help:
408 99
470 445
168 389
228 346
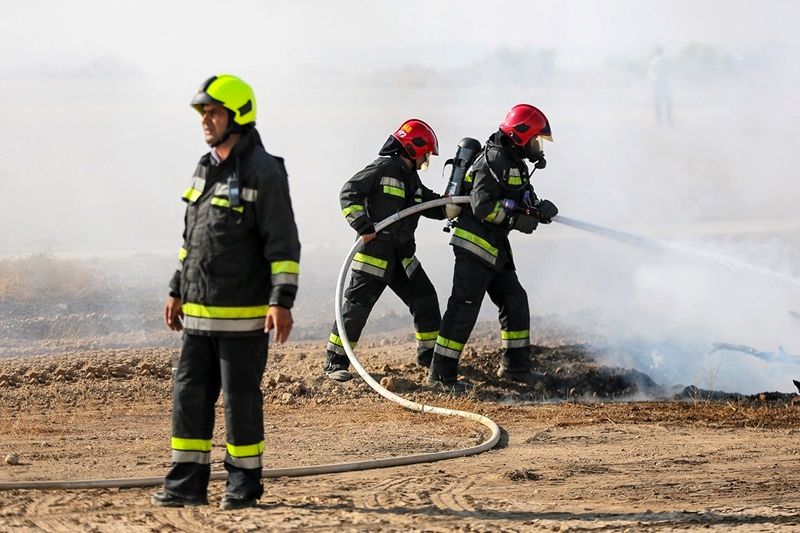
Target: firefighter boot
444 375
167 499
231 503
336 367
516 366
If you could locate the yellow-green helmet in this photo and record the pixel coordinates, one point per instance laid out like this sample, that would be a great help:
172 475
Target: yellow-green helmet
231 93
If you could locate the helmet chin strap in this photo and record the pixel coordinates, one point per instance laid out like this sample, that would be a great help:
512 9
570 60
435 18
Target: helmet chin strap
225 135
232 128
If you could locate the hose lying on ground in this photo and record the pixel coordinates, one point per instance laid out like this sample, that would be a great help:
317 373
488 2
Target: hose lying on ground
488 444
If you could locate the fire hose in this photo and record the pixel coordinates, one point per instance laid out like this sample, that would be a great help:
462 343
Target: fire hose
486 445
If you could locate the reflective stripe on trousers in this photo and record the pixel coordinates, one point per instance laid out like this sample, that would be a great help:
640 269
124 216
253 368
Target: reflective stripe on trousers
448 348
515 339
426 339
336 346
248 456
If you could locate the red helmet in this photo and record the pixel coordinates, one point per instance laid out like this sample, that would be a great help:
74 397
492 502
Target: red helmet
524 122
417 138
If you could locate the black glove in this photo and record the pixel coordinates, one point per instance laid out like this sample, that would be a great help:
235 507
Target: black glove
547 210
524 223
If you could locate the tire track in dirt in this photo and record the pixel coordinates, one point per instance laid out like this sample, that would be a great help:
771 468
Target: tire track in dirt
89 511
401 491
454 497
187 519
48 505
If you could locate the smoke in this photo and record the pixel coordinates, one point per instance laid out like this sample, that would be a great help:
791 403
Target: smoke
99 143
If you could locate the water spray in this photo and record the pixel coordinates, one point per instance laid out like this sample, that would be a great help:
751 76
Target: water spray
705 258
682 252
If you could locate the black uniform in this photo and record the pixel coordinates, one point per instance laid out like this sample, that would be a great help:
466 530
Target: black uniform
484 261
235 262
383 188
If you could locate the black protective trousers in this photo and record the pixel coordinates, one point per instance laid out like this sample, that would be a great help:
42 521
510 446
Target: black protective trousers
417 292
472 279
207 365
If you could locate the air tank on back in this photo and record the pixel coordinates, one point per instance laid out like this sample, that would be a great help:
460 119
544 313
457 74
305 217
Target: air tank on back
468 149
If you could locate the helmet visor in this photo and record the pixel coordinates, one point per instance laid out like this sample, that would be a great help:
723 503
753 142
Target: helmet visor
201 99
535 144
426 161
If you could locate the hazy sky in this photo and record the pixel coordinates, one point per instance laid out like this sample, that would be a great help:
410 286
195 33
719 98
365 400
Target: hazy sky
98 140
97 92
192 36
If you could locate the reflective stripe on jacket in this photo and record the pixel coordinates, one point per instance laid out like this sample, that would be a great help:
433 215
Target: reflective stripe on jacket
482 228
237 260
383 188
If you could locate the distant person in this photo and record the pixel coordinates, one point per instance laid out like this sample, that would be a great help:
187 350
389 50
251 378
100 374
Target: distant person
388 185
501 200
236 281
658 77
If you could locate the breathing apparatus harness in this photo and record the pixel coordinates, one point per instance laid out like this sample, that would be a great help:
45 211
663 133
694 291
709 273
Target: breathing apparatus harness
467 152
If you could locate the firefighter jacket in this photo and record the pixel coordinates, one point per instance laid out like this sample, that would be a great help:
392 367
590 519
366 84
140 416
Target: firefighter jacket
498 173
237 260
383 188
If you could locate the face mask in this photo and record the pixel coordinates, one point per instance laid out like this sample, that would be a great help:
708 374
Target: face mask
424 166
533 152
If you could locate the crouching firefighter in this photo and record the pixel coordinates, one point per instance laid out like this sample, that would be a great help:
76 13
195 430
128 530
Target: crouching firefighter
386 186
501 199
236 281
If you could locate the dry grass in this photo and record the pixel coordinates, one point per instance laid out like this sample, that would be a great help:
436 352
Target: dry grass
43 277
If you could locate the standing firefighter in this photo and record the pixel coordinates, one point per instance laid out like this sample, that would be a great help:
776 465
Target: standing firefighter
236 281
386 186
501 200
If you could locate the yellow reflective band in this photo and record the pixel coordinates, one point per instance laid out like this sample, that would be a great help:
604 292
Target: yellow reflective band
256 311
192 194
224 202
285 267
514 180
468 177
334 339
511 335
471 237
368 259
394 191
182 253
248 450
491 216
447 343
407 261
191 445
352 209
426 335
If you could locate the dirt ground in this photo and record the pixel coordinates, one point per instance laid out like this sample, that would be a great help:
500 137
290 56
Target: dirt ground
570 458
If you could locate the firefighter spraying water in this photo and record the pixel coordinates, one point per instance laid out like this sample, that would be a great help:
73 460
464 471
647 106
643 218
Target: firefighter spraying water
502 199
